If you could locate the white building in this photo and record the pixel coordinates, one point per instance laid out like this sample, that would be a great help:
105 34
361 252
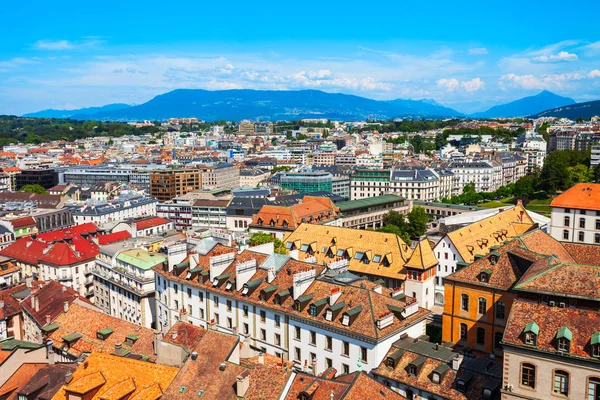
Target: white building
485 175
119 209
287 308
124 282
576 214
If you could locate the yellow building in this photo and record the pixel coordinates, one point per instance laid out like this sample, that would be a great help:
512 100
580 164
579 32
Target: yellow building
375 255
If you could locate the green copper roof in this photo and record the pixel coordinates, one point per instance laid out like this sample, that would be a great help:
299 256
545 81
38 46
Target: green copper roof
271 288
11 343
337 306
394 309
368 202
254 284
51 327
595 338
71 337
141 258
487 271
355 311
223 276
284 293
564 332
303 299
197 269
106 331
321 302
532 327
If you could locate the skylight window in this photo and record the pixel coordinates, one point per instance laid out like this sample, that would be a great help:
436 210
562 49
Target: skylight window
359 255
377 258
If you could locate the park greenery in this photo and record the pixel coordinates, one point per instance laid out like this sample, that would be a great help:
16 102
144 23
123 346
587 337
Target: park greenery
259 238
413 225
40 130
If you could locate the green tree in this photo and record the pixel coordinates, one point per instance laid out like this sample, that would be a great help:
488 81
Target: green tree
259 238
580 174
37 189
525 186
417 143
417 222
395 230
596 177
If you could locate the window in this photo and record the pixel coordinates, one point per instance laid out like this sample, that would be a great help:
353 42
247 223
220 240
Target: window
581 236
189 292
229 323
345 369
297 333
201 296
500 310
482 305
345 348
328 343
246 329
561 383
481 336
566 234
597 238
217 319
412 370
435 378
563 345
263 334
245 310
530 338
593 392
596 350
313 338
312 310
582 222
567 221
528 375
216 300
176 288
277 339
463 331
228 305
297 354
598 224
277 320
263 315
498 340
363 354
329 362
464 304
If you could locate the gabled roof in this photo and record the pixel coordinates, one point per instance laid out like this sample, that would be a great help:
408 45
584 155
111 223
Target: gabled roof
150 222
51 298
113 237
422 257
582 196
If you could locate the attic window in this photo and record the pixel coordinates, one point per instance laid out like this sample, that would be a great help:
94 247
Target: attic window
272 223
412 370
259 221
435 378
484 276
390 362
595 342
285 224
131 339
340 253
304 247
103 334
377 258
531 331
359 255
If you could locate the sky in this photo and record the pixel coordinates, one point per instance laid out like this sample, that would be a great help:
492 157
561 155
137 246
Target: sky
468 55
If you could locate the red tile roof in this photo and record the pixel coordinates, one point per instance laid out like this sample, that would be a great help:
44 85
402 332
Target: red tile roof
113 237
583 196
150 223
24 222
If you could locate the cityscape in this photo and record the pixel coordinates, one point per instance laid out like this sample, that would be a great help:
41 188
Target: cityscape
226 211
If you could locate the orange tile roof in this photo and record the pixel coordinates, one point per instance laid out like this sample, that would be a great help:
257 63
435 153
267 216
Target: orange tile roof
583 196
117 377
18 380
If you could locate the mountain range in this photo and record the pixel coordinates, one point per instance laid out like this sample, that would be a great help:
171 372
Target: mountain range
293 104
525 106
579 110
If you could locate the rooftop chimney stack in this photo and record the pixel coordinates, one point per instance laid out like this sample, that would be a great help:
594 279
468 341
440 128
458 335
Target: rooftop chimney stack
37 304
243 383
118 348
48 319
66 306
261 358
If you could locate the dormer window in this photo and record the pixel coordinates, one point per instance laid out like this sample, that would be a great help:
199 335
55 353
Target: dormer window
595 342
272 223
377 258
312 310
412 370
461 385
285 224
436 378
259 221
563 339
530 333
390 363
484 276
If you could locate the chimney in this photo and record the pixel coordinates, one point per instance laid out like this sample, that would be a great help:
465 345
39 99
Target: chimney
63 289
235 331
68 377
335 294
48 319
302 281
50 352
118 348
212 325
157 338
378 289
242 384
271 275
261 358
66 306
457 361
37 304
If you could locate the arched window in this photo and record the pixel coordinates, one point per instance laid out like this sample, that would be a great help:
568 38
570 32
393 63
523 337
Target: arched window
464 302
482 306
481 336
464 329
593 389
561 382
528 375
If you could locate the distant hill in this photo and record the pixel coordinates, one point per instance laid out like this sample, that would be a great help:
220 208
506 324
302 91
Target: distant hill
579 110
270 105
526 106
76 114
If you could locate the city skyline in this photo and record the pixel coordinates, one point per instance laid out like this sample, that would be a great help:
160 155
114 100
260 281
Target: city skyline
80 56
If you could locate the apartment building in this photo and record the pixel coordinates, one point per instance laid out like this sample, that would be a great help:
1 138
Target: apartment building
210 213
167 184
287 308
119 209
219 176
124 282
485 175
424 184
595 157
369 213
252 177
576 214
513 166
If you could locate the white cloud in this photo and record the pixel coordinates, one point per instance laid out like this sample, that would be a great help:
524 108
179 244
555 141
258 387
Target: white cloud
54 45
563 56
473 85
448 84
548 81
453 84
478 51
594 73
520 81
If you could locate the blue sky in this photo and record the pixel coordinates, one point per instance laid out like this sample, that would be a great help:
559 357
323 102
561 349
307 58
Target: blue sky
466 55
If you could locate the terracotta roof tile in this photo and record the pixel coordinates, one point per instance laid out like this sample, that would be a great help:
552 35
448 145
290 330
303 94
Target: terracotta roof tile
18 380
51 298
583 196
